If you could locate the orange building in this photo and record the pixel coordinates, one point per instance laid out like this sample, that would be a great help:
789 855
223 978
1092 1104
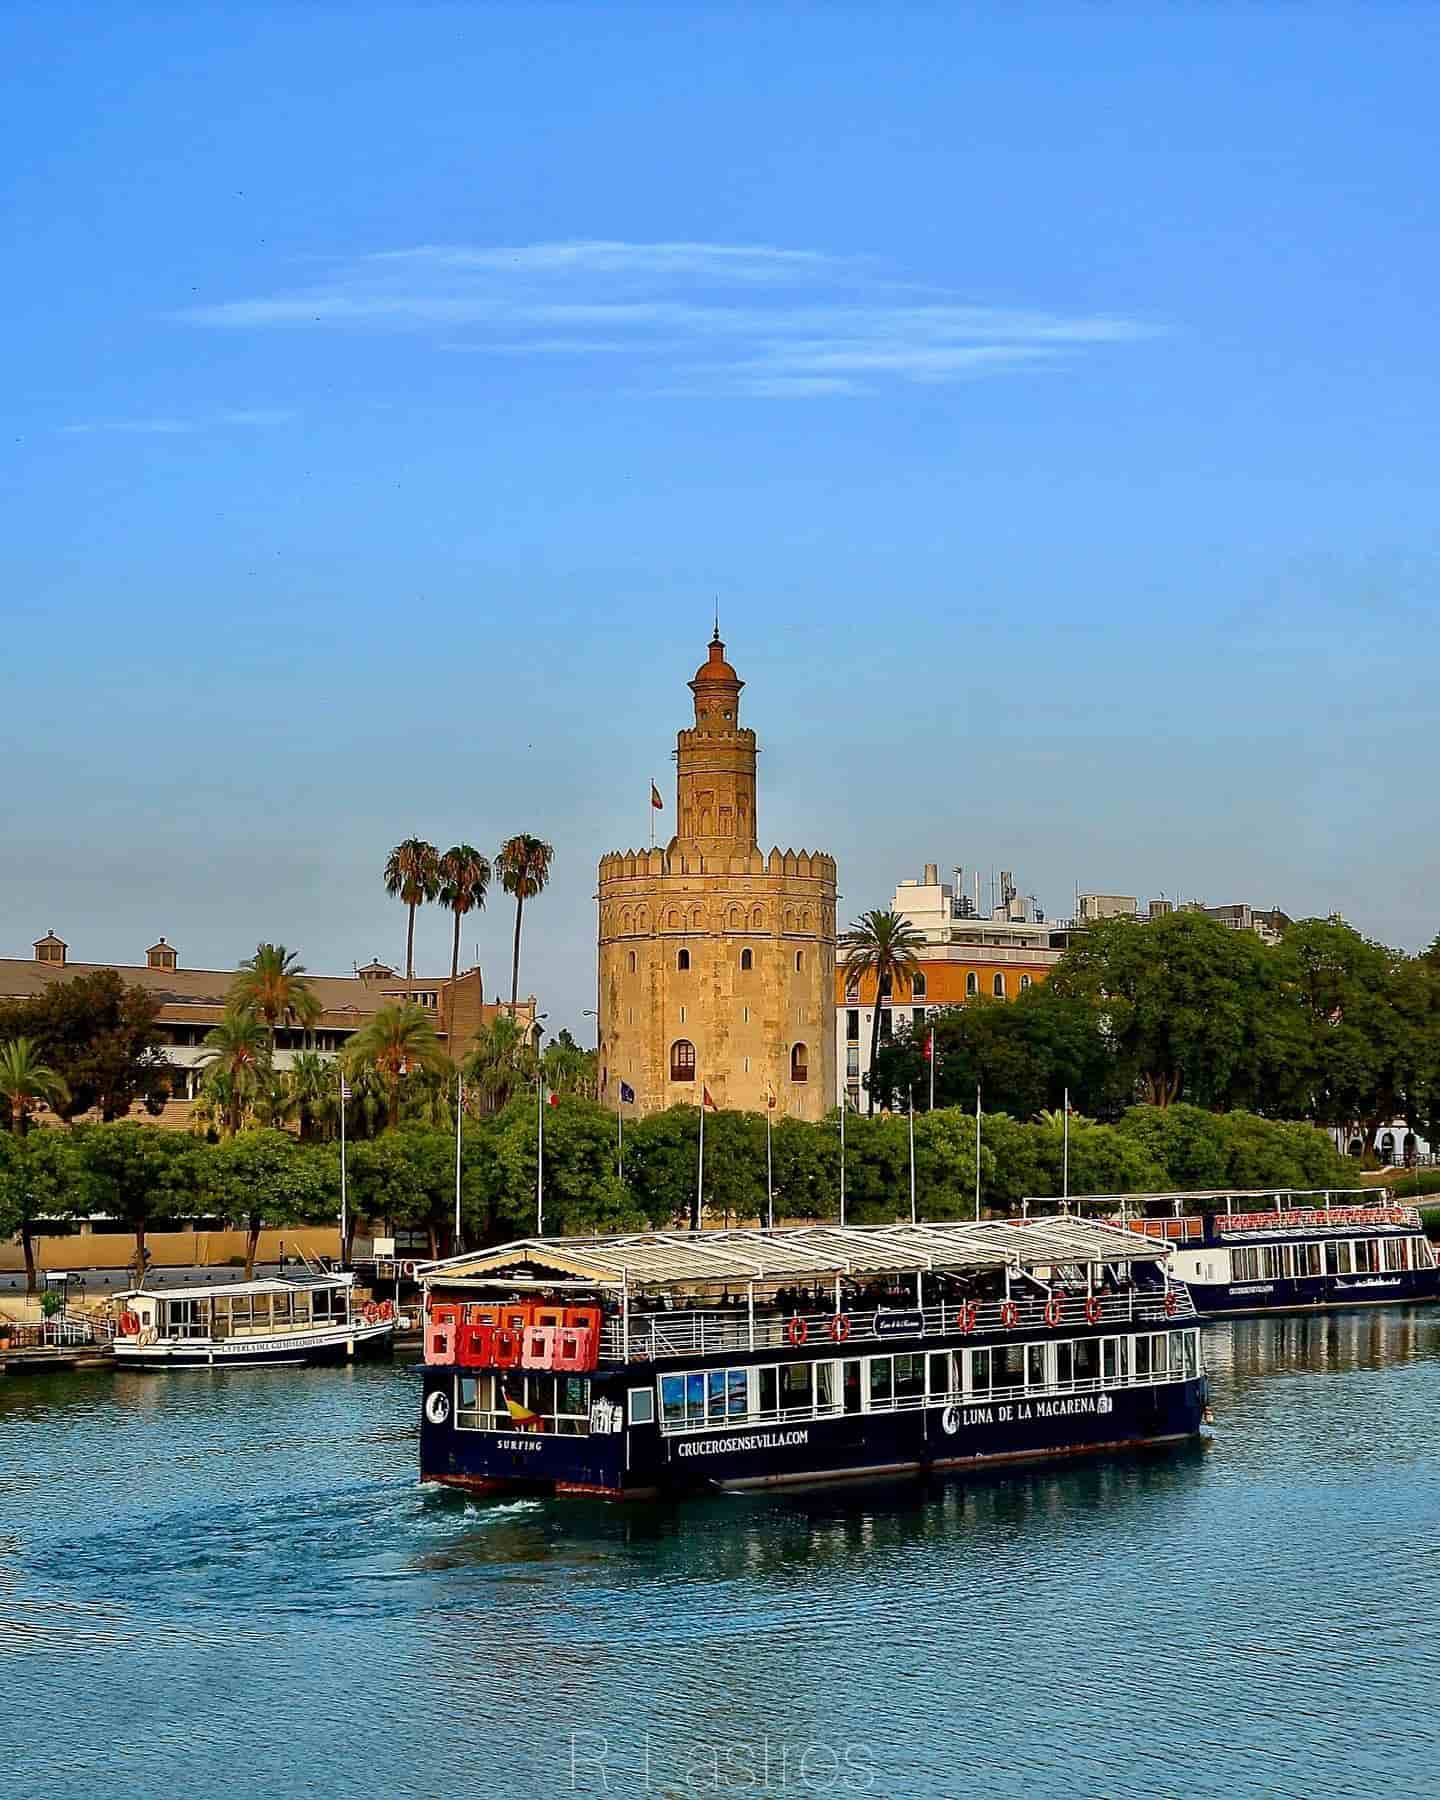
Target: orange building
965 956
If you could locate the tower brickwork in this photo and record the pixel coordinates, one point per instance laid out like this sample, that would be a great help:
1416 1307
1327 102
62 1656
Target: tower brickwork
717 960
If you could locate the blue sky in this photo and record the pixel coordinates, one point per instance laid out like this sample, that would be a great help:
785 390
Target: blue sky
1048 397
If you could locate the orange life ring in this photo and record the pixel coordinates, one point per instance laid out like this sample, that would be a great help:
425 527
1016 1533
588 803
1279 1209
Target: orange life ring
372 1313
506 1347
129 1323
840 1327
1009 1315
797 1331
387 1310
1054 1310
1172 1305
1093 1309
965 1316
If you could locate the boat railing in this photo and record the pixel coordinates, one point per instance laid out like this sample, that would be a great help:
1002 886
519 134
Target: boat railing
703 1332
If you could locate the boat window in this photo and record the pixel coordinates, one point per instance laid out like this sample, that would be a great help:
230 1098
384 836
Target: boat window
715 1411
739 1393
1008 1370
1366 1260
1123 1345
672 1399
909 1377
978 1365
1245 1265
1087 1359
1338 1259
240 1311
1142 1356
1397 1253
1424 1255
827 1387
1064 1364
881 1381
1107 1359
474 1402
1192 1354
1309 1261
301 1305
1160 1353
695 1399
642 1406
944 1374
280 1304
797 1385
769 1390
1272 1263
1035 1366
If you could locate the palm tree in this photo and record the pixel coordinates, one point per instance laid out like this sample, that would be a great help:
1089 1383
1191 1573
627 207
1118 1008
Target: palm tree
397 1039
26 1082
314 1094
237 1050
464 882
886 946
498 1062
524 865
273 984
412 872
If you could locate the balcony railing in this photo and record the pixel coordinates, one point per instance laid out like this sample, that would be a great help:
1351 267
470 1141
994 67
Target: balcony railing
661 1336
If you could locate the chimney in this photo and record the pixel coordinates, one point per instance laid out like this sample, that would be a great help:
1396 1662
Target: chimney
932 875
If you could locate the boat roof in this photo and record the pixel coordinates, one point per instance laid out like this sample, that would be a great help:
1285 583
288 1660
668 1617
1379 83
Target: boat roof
1194 1196
273 1284
674 1258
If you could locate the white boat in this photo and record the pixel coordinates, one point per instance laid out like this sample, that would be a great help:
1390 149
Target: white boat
309 1318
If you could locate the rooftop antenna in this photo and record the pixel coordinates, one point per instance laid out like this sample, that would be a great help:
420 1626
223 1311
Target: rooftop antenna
716 638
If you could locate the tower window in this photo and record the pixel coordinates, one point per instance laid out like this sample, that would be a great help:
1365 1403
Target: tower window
747 959
799 1063
634 962
799 961
998 987
682 1060
682 960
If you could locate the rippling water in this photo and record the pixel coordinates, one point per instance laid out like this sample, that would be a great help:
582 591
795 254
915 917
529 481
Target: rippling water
231 1582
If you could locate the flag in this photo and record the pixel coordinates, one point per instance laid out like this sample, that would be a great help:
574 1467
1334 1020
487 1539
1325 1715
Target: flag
655 799
708 1101
627 1094
520 1415
552 1097
930 1047
769 1099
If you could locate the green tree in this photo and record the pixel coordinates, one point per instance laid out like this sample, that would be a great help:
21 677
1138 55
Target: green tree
99 1036
582 1191
412 874
566 1067
41 1182
273 985
524 868
139 1175
464 881
265 1178
885 948
397 1041
236 1061
501 1061
313 1082
26 1082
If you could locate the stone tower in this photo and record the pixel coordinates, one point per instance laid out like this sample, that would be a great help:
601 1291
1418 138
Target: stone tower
717 961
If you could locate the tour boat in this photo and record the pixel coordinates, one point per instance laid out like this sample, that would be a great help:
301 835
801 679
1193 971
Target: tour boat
636 1365
309 1318
1285 1249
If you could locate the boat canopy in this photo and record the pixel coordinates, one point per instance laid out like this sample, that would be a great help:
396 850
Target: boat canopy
1278 1196
674 1258
275 1284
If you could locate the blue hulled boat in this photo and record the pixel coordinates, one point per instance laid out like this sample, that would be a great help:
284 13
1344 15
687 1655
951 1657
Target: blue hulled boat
664 1361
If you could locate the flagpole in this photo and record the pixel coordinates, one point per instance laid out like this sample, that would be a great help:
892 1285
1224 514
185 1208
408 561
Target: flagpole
539 1156
700 1167
977 1151
914 1219
343 1207
769 1168
932 1068
620 1140
459 1115
844 1108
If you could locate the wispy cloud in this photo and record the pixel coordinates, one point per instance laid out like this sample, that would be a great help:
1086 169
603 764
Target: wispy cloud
740 318
263 415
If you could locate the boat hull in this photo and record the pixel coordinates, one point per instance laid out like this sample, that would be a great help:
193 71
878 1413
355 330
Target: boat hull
640 1461
347 1344
1321 1293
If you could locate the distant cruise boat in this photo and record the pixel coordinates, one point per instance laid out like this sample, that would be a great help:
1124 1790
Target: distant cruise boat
309 1318
1281 1249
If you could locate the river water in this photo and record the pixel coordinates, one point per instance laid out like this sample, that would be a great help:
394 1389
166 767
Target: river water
219 1583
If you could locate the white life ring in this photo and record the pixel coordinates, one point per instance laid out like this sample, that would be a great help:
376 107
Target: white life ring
950 1420
148 1337
437 1407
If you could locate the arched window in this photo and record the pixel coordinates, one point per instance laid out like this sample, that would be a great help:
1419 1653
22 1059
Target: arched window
1024 983
634 962
682 1060
757 918
747 959
998 987
799 1063
799 961
917 985
972 985
682 960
